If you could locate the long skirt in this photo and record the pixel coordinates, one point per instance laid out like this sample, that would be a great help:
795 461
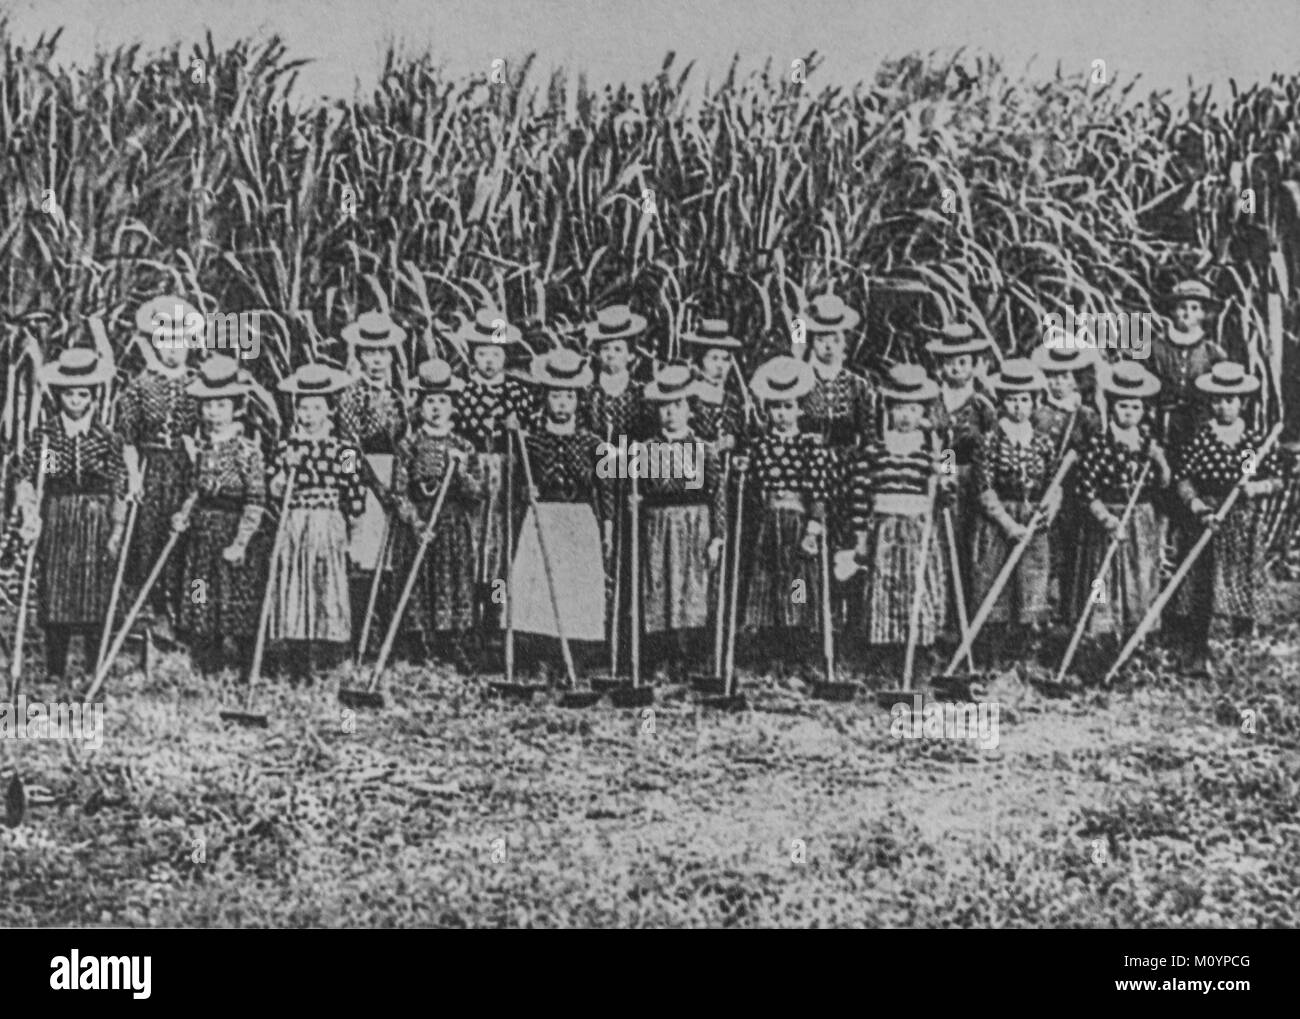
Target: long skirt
221 599
894 550
311 578
784 589
163 492
1228 576
675 570
1024 599
961 510
1132 580
443 596
76 575
573 547
490 525
367 541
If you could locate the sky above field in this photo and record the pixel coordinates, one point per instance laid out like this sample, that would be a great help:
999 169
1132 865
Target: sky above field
1163 40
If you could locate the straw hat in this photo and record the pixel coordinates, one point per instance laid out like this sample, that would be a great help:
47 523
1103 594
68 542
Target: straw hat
315 380
168 317
712 332
783 378
1191 290
675 382
561 368
375 330
489 326
1227 378
958 338
1018 375
617 322
435 376
77 366
1128 380
908 383
828 313
219 377
1068 357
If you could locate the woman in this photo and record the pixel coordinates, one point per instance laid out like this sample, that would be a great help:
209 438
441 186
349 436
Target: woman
311 611
441 610
1179 357
718 405
573 509
81 520
155 419
613 405
1110 464
684 522
223 573
790 471
1226 580
372 416
1013 467
890 487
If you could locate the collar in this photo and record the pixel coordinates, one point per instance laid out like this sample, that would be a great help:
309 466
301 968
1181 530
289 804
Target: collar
897 442
325 432
435 433
1019 432
565 429
955 398
231 431
81 426
614 385
1130 437
490 383
710 392
681 436
375 384
1230 435
1181 339
826 373
793 433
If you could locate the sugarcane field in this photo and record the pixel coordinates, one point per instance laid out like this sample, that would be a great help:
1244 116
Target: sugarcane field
576 466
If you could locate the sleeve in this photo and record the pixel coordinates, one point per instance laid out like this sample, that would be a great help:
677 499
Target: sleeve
715 481
402 476
1087 478
819 481
865 416
470 479
352 489
254 477
603 487
116 470
126 421
1187 473
982 482
276 468
859 476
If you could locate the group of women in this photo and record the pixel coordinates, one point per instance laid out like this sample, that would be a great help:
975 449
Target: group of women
491 485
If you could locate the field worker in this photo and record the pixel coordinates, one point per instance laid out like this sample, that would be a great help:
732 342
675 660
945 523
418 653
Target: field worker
1013 467
311 607
613 406
223 569
156 418
81 521
718 408
1180 354
441 611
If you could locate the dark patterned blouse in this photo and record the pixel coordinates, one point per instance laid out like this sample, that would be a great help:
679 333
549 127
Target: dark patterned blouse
1056 422
422 463
611 416
797 463
965 427
841 410
1012 472
1177 366
371 416
481 411
877 471
1108 469
668 456
564 469
1210 468
86 464
327 477
154 410
717 411
228 474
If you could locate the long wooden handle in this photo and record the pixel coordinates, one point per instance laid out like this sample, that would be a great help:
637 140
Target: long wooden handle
958 588
426 539
1077 636
264 615
719 618
119 575
546 562
918 592
617 600
1162 599
510 565
115 648
730 665
29 566
373 599
828 639
635 522
1009 567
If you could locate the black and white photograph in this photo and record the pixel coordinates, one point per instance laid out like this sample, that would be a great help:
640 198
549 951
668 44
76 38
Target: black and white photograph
593 465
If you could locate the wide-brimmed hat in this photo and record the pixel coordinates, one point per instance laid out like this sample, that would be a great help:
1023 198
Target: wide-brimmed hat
561 368
671 383
958 338
435 376
827 313
1191 290
908 383
1067 357
169 317
1018 375
783 378
375 330
489 326
77 366
315 380
712 332
219 377
1127 380
617 322
1227 378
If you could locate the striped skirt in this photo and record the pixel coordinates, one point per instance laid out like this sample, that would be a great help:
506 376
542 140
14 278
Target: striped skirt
221 599
1132 580
894 550
573 548
675 570
1024 599
164 491
784 589
76 575
443 596
1228 577
310 574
